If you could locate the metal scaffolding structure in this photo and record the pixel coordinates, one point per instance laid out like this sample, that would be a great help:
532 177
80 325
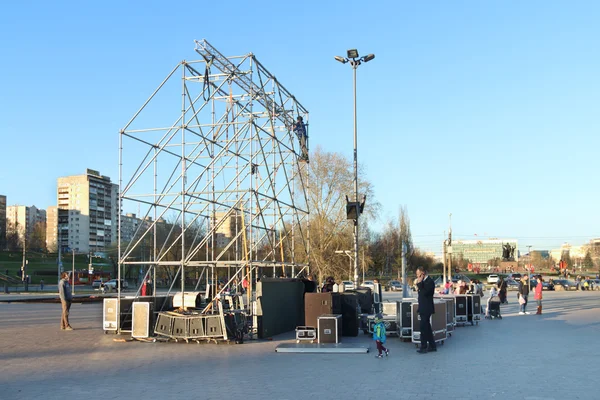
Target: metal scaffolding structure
222 182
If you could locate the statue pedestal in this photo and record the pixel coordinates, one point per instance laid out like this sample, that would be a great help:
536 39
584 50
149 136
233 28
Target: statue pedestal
509 266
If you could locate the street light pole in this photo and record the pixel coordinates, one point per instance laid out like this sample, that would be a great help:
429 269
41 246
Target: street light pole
529 268
349 254
73 276
354 60
354 66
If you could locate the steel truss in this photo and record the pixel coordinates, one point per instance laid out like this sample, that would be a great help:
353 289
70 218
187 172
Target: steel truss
222 183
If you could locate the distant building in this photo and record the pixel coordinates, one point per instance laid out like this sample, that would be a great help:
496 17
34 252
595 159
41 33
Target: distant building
544 254
2 222
52 228
226 227
24 219
479 252
87 212
576 253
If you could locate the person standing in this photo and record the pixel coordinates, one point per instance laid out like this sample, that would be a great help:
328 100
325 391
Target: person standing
502 287
523 294
379 336
41 285
426 288
538 294
64 292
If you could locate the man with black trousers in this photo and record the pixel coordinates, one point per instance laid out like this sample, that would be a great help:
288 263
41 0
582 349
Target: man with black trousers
426 287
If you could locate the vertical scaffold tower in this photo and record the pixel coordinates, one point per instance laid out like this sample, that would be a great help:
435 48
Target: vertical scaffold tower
218 175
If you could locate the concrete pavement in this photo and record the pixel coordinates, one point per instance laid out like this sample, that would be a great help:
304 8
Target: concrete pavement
553 356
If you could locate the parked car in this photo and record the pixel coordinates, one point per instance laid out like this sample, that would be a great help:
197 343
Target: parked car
548 285
512 284
348 285
492 279
514 277
564 284
97 283
393 286
112 284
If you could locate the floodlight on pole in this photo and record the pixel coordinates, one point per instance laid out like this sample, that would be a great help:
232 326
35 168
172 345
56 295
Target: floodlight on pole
368 57
352 53
341 59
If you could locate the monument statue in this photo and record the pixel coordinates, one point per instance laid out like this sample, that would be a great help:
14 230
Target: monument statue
508 252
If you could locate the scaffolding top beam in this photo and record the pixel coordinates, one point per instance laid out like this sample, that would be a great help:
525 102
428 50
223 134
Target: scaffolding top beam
213 57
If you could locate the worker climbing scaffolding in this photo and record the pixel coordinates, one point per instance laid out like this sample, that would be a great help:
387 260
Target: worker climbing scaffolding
299 129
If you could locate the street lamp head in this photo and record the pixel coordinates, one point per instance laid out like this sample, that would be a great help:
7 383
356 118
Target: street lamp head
368 57
352 53
341 59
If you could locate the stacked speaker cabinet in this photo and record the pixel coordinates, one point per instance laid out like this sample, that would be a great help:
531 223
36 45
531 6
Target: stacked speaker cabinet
317 304
365 299
164 324
350 314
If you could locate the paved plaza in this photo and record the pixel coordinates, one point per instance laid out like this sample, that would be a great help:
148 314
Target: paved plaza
553 356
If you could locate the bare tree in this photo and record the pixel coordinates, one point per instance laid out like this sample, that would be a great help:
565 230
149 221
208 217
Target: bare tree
331 180
37 239
13 239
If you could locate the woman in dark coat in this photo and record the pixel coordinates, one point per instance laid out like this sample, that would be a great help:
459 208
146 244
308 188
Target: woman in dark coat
502 286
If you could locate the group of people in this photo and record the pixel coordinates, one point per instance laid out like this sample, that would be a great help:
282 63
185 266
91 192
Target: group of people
426 289
523 294
475 287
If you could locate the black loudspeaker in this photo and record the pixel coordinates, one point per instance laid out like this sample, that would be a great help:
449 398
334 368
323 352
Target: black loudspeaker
350 314
365 299
164 325
214 327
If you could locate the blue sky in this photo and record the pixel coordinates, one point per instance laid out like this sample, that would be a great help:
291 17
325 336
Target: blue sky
486 110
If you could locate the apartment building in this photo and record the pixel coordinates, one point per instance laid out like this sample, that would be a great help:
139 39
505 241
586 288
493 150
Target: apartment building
24 219
2 222
87 212
52 228
226 227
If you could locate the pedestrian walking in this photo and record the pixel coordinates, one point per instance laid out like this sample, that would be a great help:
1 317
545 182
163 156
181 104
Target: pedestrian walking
379 336
64 292
41 284
538 294
426 287
523 294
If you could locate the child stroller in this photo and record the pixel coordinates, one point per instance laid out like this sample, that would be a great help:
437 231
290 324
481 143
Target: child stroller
493 308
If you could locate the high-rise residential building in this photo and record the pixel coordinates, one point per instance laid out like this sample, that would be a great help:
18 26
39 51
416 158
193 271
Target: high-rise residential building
129 225
2 222
87 212
52 228
226 228
24 219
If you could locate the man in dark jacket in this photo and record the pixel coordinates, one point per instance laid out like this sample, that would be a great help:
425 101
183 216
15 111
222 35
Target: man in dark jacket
523 294
64 292
426 287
